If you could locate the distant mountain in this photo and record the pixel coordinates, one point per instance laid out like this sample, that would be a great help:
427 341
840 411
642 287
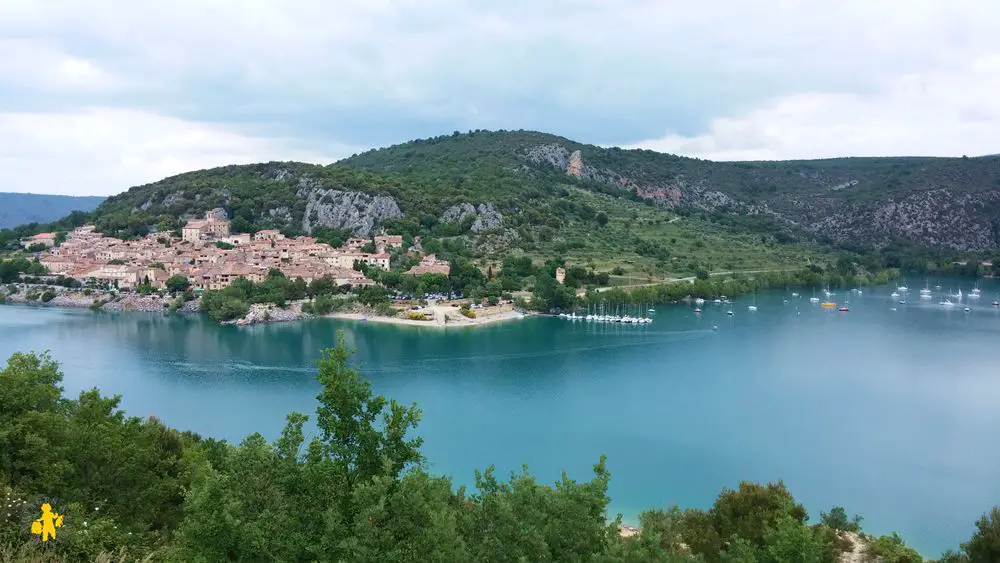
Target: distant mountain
19 209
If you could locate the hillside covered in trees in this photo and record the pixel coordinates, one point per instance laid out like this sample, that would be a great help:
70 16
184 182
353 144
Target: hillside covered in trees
485 195
131 489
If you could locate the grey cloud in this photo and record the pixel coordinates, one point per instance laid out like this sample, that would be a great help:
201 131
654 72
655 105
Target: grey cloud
358 73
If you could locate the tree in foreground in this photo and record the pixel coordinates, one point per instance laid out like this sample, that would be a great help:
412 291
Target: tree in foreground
357 491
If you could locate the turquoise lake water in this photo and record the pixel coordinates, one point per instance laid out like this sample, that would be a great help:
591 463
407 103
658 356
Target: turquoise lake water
890 413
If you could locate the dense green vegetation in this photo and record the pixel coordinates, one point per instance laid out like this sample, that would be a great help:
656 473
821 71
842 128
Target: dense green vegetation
358 491
811 278
11 270
234 301
519 273
599 221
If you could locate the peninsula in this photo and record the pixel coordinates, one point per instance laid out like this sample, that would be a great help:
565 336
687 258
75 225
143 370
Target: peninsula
140 274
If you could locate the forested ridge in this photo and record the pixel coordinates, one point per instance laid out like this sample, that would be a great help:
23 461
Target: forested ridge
19 209
484 195
136 489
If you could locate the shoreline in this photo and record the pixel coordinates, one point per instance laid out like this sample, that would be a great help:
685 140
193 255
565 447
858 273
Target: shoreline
260 313
451 323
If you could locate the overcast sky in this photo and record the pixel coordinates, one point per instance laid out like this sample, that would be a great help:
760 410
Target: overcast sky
98 96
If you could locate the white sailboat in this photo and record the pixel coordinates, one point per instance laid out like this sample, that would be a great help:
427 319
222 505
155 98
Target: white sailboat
753 307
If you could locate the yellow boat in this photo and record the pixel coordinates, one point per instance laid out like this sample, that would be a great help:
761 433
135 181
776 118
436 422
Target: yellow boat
828 305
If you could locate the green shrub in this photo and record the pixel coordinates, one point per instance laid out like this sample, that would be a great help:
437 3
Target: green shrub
837 519
323 304
892 549
49 295
223 307
385 309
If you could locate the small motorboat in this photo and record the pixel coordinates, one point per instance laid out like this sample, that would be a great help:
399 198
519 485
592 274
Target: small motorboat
843 309
967 309
697 311
996 303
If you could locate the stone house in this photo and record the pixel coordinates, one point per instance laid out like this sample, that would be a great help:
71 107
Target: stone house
48 239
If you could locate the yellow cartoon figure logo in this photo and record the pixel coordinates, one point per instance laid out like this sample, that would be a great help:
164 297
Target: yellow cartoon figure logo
47 524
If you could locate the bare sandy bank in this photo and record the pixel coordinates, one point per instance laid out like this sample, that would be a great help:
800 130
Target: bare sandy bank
439 316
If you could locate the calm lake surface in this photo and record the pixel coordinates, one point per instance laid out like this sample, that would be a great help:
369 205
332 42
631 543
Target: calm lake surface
891 413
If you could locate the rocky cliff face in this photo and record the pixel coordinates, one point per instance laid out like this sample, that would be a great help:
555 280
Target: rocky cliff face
574 165
827 202
357 211
939 218
487 217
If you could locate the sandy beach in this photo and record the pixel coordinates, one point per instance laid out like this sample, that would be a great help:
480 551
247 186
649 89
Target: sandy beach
444 316
439 316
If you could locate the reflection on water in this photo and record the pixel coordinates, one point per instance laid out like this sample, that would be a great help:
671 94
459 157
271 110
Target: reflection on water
888 412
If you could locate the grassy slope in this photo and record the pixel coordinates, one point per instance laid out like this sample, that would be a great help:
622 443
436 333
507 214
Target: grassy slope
442 162
689 241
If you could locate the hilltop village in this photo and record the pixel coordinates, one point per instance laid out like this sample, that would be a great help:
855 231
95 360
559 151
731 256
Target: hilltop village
211 257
